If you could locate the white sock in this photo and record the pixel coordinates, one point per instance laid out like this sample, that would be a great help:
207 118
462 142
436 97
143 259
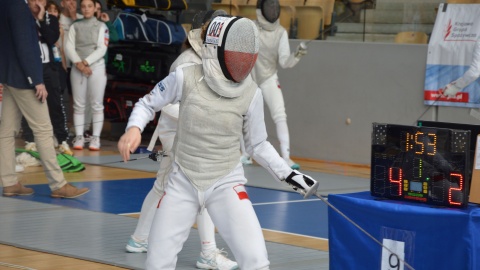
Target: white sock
97 123
206 230
79 122
284 138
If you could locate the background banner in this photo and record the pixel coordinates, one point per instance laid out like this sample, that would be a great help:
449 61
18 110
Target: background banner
450 53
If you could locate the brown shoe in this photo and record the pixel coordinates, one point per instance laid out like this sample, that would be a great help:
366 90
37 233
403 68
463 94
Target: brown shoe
69 192
17 190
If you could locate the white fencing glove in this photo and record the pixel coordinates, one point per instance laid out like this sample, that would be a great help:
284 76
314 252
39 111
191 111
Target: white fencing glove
301 49
451 90
302 183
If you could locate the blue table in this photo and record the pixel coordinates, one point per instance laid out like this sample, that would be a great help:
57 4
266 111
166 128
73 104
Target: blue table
432 237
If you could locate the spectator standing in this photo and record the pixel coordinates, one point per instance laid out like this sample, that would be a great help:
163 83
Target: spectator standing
54 9
48 34
24 93
67 17
113 38
85 46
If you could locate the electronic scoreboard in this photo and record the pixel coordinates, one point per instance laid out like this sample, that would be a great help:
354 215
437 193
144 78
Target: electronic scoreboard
425 164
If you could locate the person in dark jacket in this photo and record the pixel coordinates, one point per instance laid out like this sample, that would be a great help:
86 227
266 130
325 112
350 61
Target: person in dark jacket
48 34
24 92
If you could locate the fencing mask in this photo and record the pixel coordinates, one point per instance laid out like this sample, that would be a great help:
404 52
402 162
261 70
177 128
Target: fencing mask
270 9
203 16
230 50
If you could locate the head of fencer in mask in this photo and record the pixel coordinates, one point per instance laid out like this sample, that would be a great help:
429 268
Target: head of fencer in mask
230 49
268 12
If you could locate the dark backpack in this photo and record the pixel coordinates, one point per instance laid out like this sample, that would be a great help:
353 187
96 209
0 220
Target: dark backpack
149 28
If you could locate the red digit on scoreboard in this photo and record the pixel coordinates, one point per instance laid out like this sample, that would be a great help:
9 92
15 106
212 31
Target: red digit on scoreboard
459 177
395 176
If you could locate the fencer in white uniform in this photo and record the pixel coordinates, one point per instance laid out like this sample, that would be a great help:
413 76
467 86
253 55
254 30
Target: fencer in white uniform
219 102
210 257
471 75
86 45
274 51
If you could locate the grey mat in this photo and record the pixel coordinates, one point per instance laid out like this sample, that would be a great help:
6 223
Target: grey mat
257 176
101 237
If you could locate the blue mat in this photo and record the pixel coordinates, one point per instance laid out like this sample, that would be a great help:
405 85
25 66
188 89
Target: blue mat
126 196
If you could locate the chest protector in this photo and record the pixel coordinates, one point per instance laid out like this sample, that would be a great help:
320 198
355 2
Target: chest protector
87 31
207 145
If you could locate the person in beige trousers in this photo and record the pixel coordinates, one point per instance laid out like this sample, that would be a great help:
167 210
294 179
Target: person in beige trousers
24 94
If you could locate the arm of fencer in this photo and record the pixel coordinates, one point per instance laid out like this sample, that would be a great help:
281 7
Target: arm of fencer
256 144
265 155
169 90
102 46
286 59
69 49
473 71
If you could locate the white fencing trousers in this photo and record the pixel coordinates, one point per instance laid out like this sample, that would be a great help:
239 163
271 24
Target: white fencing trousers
88 91
230 209
273 96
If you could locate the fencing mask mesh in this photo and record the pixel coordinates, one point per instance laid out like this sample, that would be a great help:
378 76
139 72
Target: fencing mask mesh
270 9
237 45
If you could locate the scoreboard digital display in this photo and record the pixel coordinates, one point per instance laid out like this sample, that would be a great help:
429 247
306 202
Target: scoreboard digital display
424 164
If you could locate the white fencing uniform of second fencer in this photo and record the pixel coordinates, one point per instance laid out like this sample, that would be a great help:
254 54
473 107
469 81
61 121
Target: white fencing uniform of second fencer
166 130
274 51
88 40
167 127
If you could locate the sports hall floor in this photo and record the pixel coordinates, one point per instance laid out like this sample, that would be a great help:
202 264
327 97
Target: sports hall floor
90 232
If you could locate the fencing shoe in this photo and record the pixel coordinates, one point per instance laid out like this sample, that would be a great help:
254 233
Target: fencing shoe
246 160
78 142
215 260
65 149
135 246
94 144
87 134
